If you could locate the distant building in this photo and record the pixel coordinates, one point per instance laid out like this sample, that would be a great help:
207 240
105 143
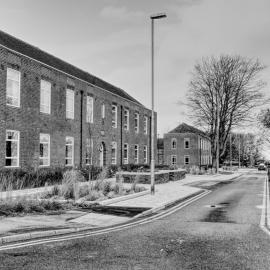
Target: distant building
186 146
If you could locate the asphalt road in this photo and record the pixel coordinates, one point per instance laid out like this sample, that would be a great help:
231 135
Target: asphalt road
219 231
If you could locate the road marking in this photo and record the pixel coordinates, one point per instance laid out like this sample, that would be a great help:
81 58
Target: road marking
265 217
105 231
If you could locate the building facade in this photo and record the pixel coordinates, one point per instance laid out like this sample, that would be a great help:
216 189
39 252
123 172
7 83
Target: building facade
54 114
187 146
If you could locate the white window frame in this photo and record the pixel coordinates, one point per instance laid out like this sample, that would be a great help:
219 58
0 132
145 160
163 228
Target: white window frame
89 144
89 109
187 163
103 111
45 89
126 119
126 150
114 113
17 96
186 140
49 150
72 157
172 143
145 125
136 154
114 158
70 111
137 122
173 157
145 154
18 149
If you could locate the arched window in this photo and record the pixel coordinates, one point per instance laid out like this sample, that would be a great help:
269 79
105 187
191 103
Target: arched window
174 143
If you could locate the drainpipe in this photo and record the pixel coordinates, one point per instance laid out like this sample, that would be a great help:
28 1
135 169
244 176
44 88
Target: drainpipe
121 135
81 128
150 141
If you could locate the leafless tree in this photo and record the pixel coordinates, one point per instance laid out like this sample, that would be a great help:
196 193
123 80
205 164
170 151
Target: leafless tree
231 82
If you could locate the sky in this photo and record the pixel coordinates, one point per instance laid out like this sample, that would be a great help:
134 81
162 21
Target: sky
111 39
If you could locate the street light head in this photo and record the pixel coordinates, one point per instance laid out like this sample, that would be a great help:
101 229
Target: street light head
158 16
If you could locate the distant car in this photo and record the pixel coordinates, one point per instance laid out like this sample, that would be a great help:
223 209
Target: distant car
261 167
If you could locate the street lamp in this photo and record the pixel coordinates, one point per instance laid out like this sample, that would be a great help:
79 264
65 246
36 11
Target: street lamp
153 17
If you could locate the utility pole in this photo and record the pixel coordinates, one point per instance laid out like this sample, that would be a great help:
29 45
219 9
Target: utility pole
217 134
239 154
230 151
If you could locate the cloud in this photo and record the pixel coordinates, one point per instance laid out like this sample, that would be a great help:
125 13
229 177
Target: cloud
121 14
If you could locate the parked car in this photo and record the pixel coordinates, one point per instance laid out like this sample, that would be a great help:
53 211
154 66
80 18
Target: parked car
261 167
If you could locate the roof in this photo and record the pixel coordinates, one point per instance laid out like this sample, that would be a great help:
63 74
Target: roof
185 128
31 51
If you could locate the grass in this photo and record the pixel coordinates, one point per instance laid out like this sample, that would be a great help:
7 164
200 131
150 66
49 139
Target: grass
23 206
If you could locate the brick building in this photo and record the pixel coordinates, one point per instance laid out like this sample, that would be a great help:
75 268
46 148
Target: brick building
187 146
54 114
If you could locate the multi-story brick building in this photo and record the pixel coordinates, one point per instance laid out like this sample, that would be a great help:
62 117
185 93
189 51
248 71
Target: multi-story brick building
187 146
53 113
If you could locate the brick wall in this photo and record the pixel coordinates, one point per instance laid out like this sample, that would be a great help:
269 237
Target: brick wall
31 122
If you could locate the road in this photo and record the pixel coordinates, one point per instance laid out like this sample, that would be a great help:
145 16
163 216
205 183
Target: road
219 231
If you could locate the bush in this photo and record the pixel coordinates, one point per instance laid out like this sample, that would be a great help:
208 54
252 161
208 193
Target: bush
20 179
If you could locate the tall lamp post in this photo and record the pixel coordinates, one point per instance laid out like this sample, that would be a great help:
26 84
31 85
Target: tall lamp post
153 18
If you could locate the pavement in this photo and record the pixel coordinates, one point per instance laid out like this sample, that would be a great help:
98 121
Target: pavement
21 228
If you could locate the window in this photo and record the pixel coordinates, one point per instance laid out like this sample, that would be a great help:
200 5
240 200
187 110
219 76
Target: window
13 87
186 143
44 149
114 116
89 109
145 154
125 153
174 143
126 119
45 97
69 104
103 111
173 159
12 148
145 124
136 153
186 160
137 122
69 151
89 152
114 153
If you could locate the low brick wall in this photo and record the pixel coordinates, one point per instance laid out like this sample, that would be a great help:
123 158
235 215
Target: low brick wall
145 177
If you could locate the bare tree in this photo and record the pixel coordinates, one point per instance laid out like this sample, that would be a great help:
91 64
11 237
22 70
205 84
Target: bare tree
230 83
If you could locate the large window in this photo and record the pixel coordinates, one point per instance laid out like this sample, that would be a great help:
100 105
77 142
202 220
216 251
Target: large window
114 116
137 122
145 154
173 143
125 153
186 143
173 159
89 152
89 109
12 148
186 160
145 125
69 104
136 153
126 119
103 111
69 151
13 87
44 149
114 153
45 97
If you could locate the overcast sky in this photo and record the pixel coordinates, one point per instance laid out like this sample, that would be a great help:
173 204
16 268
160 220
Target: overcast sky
111 40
